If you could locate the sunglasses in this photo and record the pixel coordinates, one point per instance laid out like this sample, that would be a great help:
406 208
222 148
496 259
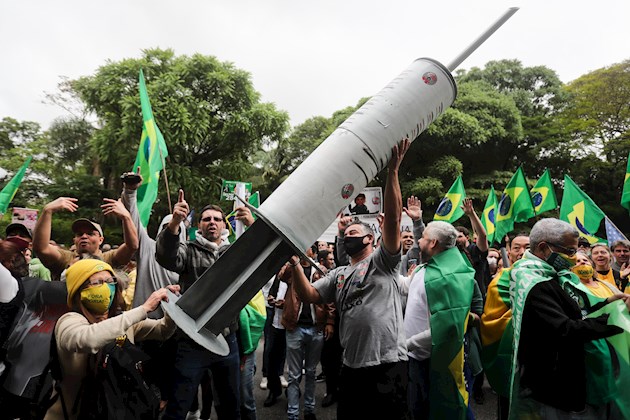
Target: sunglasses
569 251
211 218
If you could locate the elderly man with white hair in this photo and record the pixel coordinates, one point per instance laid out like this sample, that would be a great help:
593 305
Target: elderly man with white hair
558 345
439 298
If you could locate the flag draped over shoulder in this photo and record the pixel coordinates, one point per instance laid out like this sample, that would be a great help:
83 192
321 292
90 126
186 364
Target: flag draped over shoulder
449 209
488 216
515 205
252 322
449 286
580 211
150 158
9 190
625 194
605 383
543 194
496 334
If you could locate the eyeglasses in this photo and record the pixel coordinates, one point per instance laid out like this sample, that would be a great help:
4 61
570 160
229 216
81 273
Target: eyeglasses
98 282
569 251
210 218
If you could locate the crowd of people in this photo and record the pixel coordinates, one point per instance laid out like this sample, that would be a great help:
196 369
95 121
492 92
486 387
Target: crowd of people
404 325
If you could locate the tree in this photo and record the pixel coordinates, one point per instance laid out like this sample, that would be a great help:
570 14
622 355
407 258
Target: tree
209 112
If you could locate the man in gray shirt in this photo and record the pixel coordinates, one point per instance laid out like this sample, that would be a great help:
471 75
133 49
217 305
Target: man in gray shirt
366 293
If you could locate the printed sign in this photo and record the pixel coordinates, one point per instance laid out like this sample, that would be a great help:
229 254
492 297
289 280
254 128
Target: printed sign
27 217
228 187
367 202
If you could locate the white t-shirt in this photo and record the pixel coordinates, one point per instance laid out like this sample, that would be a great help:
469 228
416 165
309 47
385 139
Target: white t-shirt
417 318
277 316
8 285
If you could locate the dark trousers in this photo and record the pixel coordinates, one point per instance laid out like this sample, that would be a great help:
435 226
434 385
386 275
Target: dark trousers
418 390
162 353
332 354
191 361
277 355
376 392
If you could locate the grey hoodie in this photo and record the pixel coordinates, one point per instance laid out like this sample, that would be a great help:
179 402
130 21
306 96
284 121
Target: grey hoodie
151 276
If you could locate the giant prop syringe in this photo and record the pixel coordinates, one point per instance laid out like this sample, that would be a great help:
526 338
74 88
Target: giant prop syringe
301 208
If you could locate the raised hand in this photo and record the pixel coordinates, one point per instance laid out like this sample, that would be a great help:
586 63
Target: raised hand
244 214
132 180
115 207
467 206
414 208
62 203
343 223
398 154
181 210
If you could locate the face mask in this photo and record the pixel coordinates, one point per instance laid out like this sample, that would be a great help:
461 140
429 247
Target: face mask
492 260
584 272
560 261
354 244
97 299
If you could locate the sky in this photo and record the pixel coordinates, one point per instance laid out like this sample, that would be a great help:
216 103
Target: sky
308 57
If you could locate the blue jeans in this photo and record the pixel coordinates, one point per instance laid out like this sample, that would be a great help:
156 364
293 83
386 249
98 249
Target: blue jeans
191 361
248 401
304 344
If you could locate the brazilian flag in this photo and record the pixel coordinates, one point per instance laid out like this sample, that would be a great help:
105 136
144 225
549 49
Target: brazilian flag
625 194
449 209
489 215
515 205
9 190
543 194
252 323
497 334
449 285
150 158
580 211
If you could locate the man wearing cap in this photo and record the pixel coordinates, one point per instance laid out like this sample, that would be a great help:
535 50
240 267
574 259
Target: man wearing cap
88 236
22 236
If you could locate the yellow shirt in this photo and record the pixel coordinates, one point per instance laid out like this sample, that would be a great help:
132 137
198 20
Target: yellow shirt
608 277
600 290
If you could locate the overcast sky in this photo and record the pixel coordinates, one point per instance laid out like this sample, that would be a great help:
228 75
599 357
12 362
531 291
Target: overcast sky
308 57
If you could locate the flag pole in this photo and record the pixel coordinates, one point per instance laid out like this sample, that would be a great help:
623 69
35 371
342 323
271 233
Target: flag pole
168 192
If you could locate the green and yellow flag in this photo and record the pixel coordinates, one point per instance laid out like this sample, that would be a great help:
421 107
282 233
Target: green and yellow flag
151 156
543 194
625 194
252 323
9 190
488 215
449 282
515 205
580 211
449 209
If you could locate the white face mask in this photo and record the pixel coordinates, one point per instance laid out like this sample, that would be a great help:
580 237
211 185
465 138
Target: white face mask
492 260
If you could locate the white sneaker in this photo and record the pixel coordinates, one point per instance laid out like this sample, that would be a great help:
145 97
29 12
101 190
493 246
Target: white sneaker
263 383
193 415
283 382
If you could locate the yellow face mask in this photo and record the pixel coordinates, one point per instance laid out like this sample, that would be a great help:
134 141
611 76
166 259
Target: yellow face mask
584 272
97 299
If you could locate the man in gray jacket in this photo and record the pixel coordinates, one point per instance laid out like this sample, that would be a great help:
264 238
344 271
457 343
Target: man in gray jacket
191 259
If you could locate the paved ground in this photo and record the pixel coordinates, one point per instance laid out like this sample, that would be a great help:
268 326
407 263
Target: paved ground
487 411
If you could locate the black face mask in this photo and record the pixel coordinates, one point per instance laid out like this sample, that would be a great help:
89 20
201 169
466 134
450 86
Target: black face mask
354 244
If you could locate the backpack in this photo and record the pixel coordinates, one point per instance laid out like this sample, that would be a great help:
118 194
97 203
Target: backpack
116 387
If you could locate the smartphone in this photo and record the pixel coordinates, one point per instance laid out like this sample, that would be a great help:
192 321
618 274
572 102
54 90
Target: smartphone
130 178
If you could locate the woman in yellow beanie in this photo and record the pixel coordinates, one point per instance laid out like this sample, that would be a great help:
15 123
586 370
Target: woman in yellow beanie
96 319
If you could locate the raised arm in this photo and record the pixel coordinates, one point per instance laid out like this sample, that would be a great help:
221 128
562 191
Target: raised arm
392 203
130 234
303 287
129 197
475 222
47 253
